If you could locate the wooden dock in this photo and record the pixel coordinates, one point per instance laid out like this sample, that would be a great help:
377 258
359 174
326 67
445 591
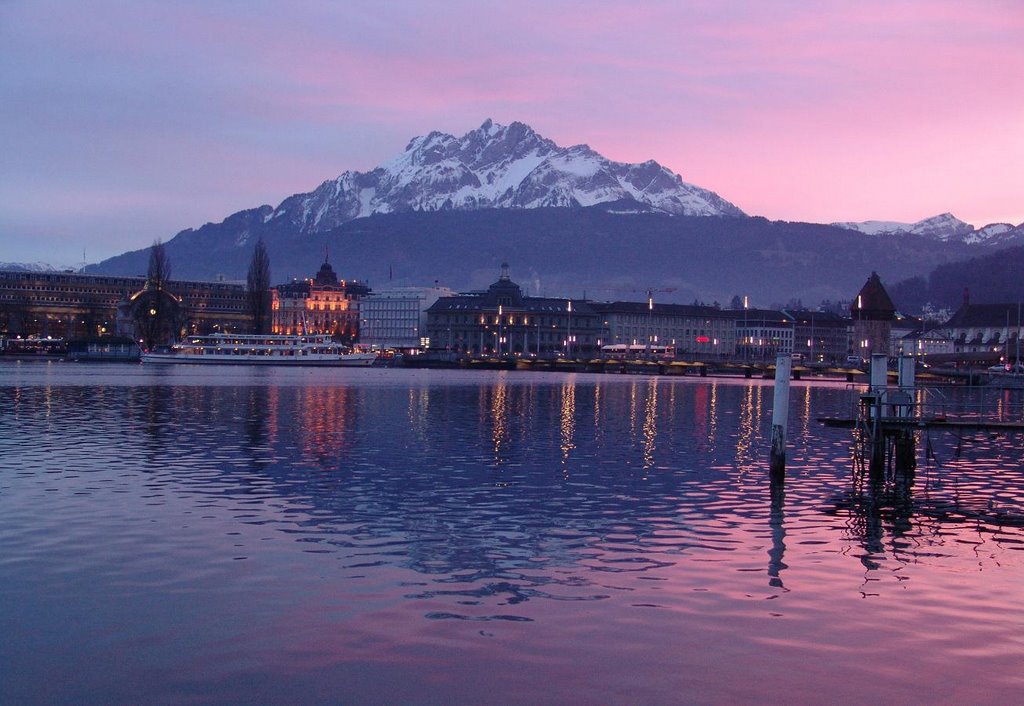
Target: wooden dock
886 419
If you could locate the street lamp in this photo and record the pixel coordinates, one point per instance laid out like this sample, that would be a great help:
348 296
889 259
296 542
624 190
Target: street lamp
650 317
746 333
568 329
497 337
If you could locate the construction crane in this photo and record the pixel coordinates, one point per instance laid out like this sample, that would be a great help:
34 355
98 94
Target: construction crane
651 291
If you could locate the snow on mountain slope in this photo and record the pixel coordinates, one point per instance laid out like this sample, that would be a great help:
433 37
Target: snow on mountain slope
27 267
997 234
876 227
944 227
496 166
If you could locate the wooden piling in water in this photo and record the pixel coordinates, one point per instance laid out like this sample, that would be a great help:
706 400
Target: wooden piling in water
906 445
780 414
875 400
879 372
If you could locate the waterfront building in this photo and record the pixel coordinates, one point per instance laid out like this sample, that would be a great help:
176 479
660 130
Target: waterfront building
322 304
924 343
503 321
397 318
820 336
902 331
985 328
873 313
74 305
700 332
763 334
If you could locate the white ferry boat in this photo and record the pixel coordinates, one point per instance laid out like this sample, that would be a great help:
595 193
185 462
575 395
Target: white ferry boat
241 349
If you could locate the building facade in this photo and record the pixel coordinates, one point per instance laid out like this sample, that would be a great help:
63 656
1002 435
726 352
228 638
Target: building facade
397 318
700 332
985 328
323 304
820 336
73 305
922 344
502 321
763 334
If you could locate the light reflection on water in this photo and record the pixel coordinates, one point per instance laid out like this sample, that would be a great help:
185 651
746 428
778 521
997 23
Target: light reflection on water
182 534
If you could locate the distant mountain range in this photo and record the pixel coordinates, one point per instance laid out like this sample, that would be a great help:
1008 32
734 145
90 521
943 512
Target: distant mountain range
27 267
945 227
452 208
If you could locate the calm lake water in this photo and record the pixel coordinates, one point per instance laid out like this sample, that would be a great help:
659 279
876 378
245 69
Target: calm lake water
188 534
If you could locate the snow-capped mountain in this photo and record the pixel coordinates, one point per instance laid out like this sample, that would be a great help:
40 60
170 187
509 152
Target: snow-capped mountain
945 227
496 166
997 234
27 267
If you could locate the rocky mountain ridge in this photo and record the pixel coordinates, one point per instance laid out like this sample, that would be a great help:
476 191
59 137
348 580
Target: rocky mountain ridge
495 166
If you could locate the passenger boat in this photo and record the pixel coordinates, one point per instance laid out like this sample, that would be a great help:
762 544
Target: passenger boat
33 348
110 348
238 349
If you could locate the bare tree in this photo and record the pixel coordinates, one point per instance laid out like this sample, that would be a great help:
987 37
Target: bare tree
159 266
155 310
258 288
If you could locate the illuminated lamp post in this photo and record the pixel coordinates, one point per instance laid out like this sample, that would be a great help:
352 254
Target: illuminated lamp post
650 317
568 329
746 333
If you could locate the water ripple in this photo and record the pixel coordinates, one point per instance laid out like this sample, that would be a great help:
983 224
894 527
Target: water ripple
216 527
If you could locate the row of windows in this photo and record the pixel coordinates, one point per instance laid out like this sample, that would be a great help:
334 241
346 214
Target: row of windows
389 331
375 306
765 331
91 291
657 319
675 332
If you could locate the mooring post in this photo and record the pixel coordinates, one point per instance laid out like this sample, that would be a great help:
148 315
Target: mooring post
780 413
906 446
879 381
879 372
906 379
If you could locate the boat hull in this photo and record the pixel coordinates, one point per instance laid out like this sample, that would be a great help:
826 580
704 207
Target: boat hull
354 360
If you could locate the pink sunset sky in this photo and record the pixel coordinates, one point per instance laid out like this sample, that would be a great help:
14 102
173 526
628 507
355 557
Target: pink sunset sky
121 123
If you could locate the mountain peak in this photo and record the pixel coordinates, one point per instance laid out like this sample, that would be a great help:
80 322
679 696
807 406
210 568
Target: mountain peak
496 166
944 226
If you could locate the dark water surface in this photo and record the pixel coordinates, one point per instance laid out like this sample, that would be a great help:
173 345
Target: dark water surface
205 535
